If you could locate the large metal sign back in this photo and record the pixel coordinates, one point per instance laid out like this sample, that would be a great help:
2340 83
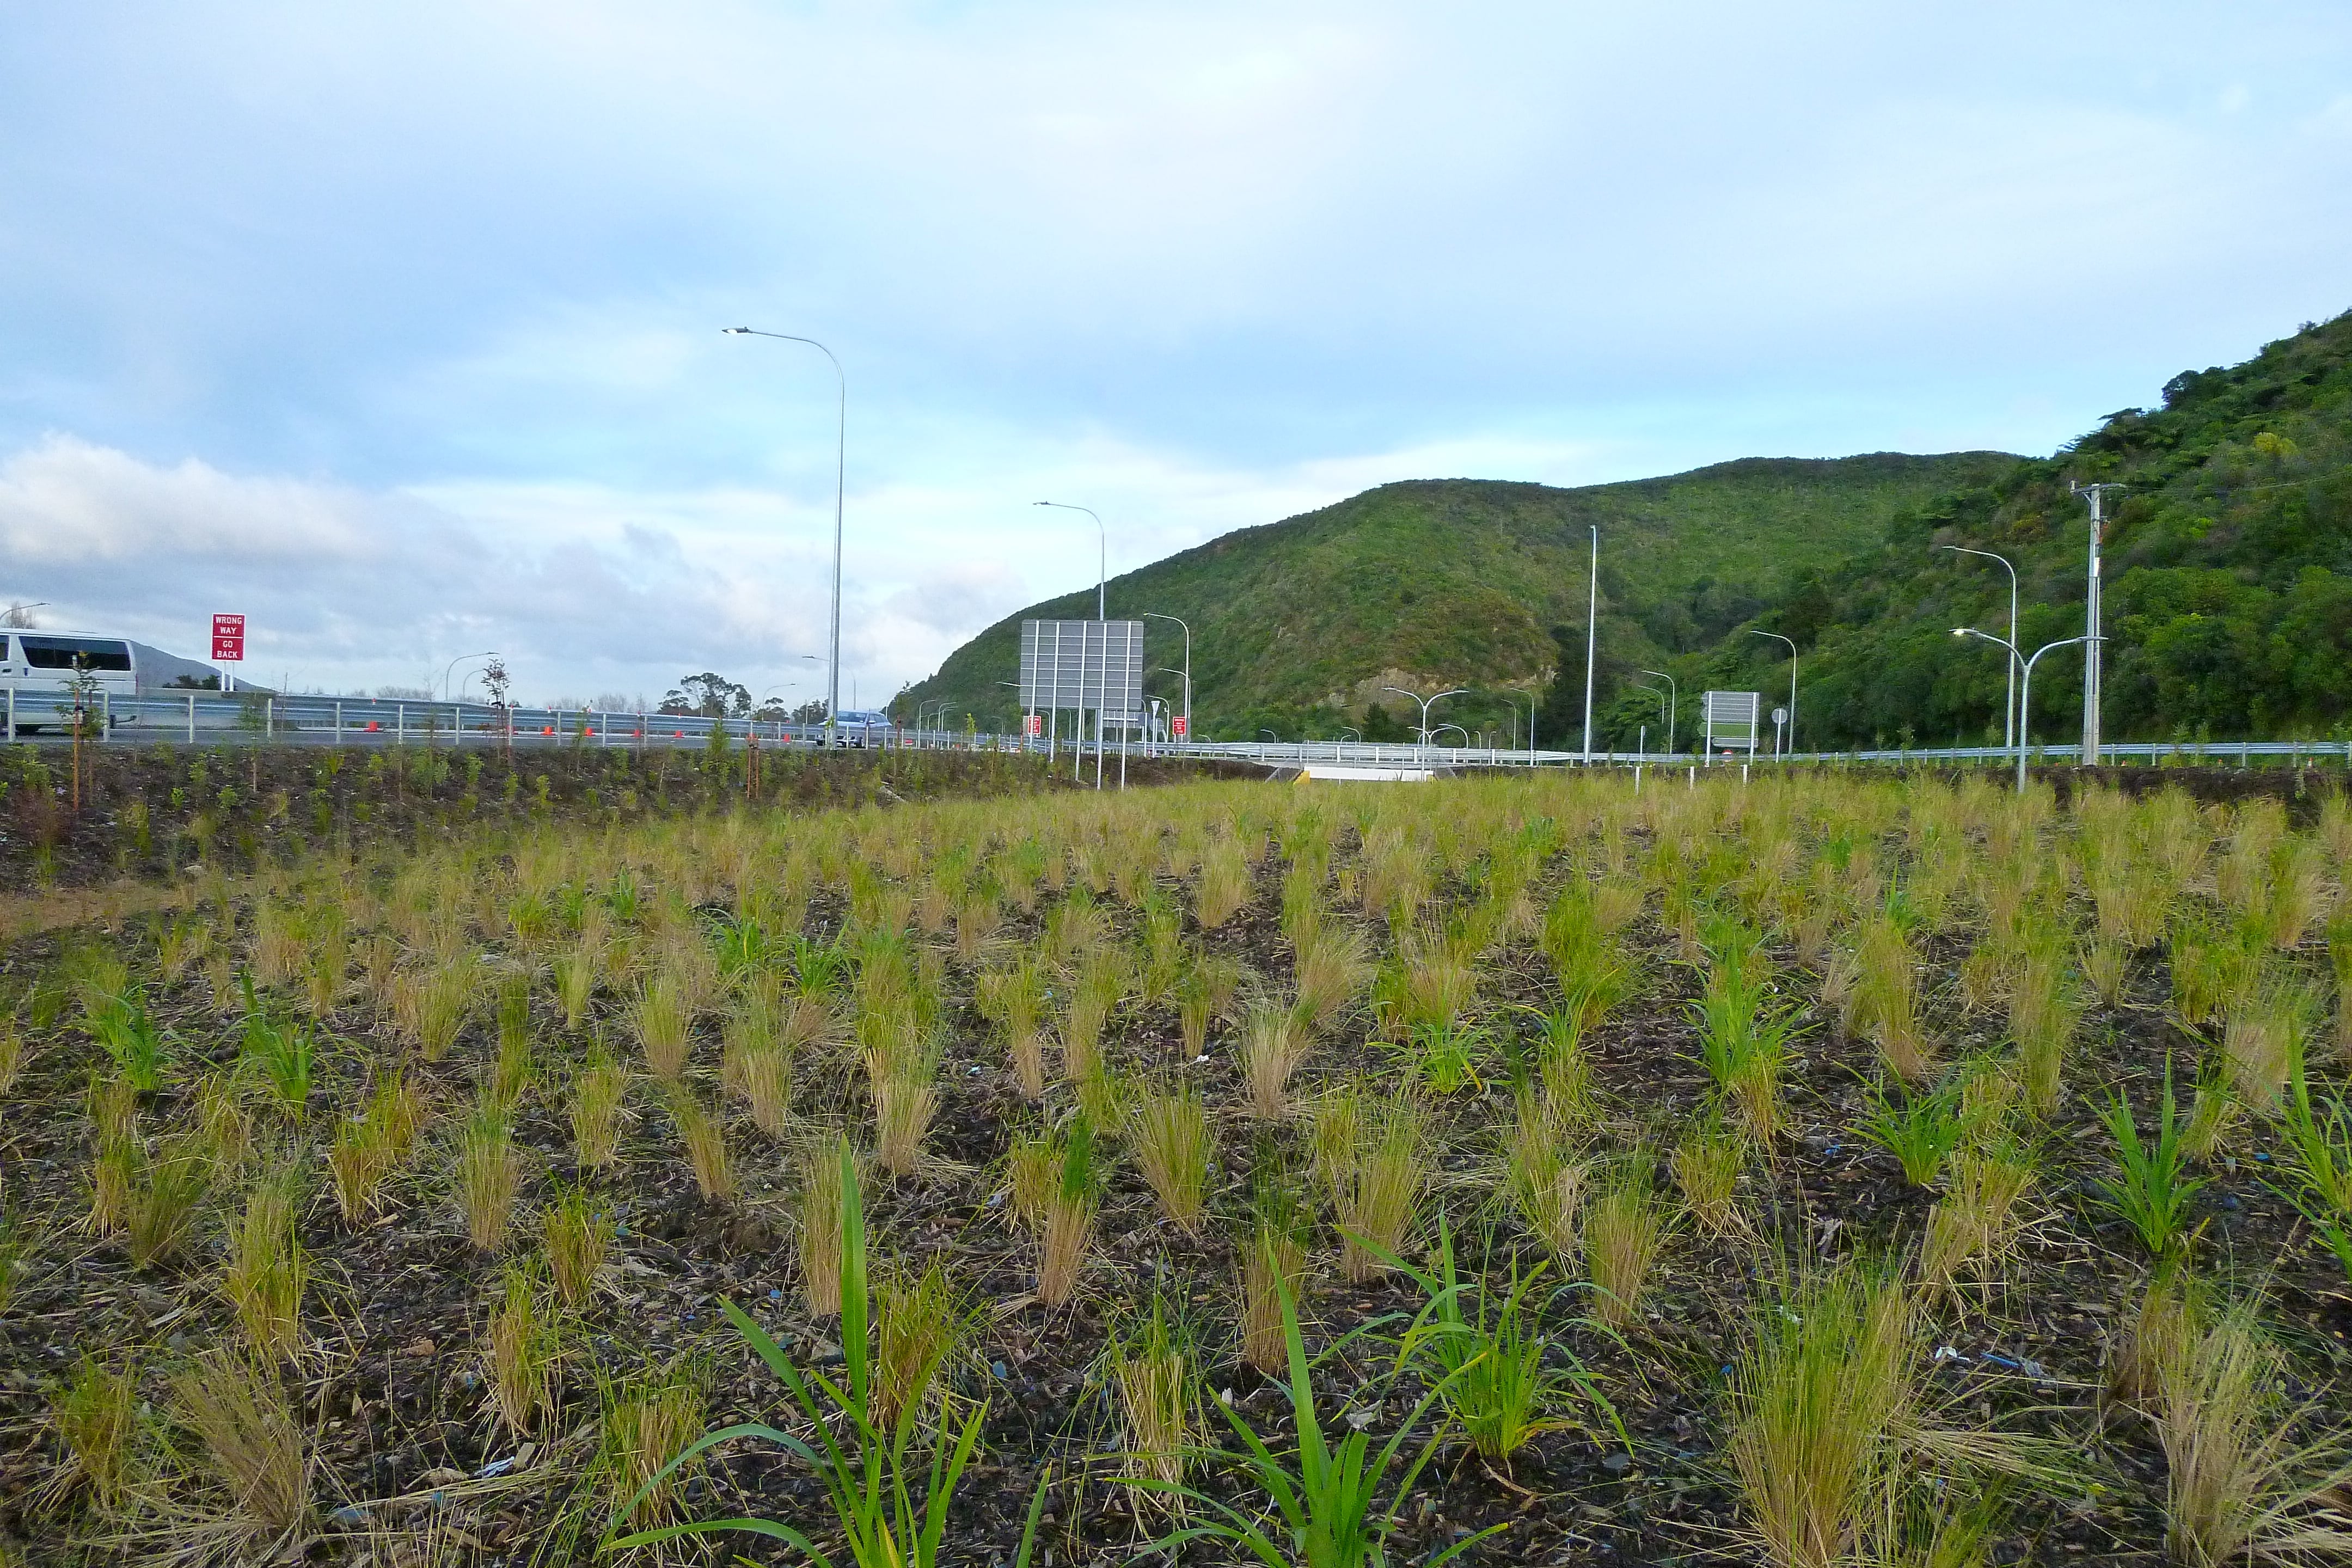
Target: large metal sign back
1095 665
1730 720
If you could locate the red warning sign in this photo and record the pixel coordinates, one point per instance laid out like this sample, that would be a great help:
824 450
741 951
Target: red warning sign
1183 726
228 638
1036 723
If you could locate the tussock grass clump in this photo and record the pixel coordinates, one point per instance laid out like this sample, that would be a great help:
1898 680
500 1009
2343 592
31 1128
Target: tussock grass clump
430 1004
1014 999
1820 1397
647 1421
1546 1174
1069 1217
1624 1231
1173 1147
706 1144
96 1418
1153 1370
1272 1270
267 1268
1331 967
2249 1473
1273 1045
1886 999
1975 1223
599 1101
1707 1164
249 1439
1225 884
664 1024
369 1147
757 1065
489 1176
162 1205
920 1324
578 1239
821 1214
520 1349
1371 1147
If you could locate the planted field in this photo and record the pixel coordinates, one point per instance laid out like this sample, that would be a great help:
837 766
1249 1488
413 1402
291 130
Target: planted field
1811 1173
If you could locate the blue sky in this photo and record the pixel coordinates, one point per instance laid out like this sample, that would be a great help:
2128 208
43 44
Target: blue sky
396 327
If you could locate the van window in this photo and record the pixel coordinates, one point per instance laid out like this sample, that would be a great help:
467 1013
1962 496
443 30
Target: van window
62 653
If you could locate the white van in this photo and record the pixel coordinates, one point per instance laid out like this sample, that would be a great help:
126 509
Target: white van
36 666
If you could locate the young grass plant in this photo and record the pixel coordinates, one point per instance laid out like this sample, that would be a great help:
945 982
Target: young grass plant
1493 1363
1920 1130
267 1268
920 1325
164 1200
1975 1221
578 1241
1273 1045
823 1200
247 1432
1172 1144
1623 1232
369 1147
1376 1171
1335 1506
865 1464
599 1098
1545 1175
1707 1163
2153 1191
1069 1217
522 1347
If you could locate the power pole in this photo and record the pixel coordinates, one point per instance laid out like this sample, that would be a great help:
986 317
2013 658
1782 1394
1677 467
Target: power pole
2091 637
1592 633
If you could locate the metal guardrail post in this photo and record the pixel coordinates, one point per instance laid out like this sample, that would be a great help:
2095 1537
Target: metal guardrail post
270 718
192 718
338 724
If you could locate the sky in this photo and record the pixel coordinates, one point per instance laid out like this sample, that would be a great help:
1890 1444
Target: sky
396 327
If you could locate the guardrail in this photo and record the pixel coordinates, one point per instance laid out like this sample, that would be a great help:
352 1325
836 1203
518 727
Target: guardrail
205 718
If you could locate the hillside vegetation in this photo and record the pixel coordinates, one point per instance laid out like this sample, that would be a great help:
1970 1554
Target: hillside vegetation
2228 573
1460 581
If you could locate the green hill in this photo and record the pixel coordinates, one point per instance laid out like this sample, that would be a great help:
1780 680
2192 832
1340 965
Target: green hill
2228 571
1431 584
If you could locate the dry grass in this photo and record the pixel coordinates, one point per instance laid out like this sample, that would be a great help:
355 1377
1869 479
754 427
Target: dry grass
706 1145
1155 1380
490 1177
1273 1266
920 1324
579 1238
1975 1223
664 1025
1172 1146
1376 1171
267 1268
250 1440
822 1215
599 1099
521 1350
1707 1164
1332 967
1624 1231
1273 1045
96 1418
1225 885
369 1147
645 1423
430 1004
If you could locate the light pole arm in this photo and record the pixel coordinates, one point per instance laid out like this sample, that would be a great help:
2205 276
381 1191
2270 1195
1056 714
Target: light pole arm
840 491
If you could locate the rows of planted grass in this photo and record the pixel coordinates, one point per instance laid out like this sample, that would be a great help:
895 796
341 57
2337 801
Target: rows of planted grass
1213 1063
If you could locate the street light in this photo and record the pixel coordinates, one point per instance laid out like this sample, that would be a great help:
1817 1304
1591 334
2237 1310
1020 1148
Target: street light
2024 686
1669 714
1673 700
1426 704
1514 698
1156 615
1455 727
2008 707
1592 640
1776 637
1102 564
461 660
840 479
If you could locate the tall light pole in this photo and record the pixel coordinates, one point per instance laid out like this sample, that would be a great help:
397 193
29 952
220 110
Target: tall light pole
1102 564
1426 704
461 660
1673 700
1776 637
2025 686
2090 640
1591 636
1156 615
840 477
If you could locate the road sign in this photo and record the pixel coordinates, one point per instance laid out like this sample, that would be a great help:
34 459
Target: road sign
1730 719
228 638
1183 726
1082 665
1035 724
1780 716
